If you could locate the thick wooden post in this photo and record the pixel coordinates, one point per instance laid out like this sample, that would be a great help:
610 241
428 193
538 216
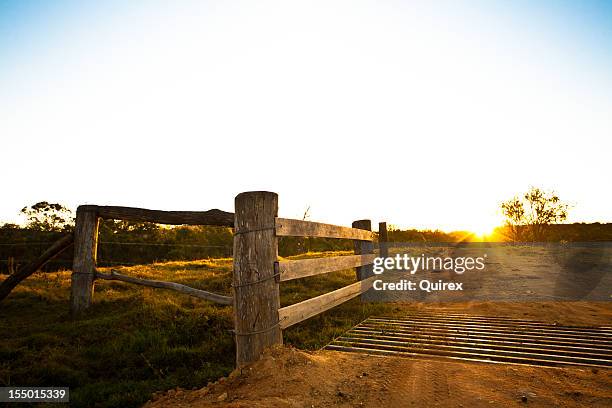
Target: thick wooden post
255 284
382 240
84 262
362 248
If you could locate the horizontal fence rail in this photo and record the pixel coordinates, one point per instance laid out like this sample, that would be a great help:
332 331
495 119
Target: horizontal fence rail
309 267
212 217
86 248
298 312
202 294
286 227
257 272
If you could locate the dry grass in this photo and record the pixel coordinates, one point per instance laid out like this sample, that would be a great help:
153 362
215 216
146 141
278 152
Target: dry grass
136 340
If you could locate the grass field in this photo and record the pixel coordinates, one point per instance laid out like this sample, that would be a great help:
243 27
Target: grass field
135 341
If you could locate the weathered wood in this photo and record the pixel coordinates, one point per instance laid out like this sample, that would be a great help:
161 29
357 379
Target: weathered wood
210 217
84 263
11 265
383 240
309 267
296 228
202 294
363 248
256 290
14 279
298 312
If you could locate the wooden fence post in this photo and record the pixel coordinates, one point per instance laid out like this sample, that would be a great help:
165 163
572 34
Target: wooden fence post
255 281
362 248
383 240
84 262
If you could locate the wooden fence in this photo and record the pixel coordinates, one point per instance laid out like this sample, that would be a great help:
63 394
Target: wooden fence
257 272
258 317
84 270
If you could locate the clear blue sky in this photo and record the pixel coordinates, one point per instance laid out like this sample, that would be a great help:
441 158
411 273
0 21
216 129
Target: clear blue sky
182 105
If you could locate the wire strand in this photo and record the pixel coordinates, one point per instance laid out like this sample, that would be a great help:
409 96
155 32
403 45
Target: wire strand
257 331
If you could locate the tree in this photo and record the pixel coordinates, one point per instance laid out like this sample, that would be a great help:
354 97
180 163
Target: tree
527 218
44 216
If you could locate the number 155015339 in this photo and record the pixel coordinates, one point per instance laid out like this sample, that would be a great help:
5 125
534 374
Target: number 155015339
34 394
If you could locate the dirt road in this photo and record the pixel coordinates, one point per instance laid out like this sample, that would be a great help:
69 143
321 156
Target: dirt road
288 377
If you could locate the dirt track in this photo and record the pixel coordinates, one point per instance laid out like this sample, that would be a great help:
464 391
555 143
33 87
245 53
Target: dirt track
288 377
292 378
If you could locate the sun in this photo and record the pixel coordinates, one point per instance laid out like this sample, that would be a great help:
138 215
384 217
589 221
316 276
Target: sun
482 229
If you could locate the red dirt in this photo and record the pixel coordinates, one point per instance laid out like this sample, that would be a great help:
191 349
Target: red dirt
286 377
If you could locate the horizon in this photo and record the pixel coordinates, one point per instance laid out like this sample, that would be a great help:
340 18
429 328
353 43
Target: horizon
360 110
483 236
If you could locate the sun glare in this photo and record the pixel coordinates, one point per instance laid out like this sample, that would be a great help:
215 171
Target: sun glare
483 230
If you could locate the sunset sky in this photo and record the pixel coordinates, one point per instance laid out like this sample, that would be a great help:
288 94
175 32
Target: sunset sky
422 114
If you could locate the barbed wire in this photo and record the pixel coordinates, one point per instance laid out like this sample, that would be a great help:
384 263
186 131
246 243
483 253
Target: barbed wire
100 262
163 244
25 243
123 243
16 260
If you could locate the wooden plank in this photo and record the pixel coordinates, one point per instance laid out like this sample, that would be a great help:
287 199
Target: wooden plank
293 314
211 217
84 261
202 294
13 280
286 227
308 267
256 290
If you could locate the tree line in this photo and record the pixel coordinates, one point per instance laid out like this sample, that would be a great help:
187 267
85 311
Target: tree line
533 216
126 242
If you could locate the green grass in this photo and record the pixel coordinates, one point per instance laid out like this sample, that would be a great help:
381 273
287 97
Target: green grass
135 340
